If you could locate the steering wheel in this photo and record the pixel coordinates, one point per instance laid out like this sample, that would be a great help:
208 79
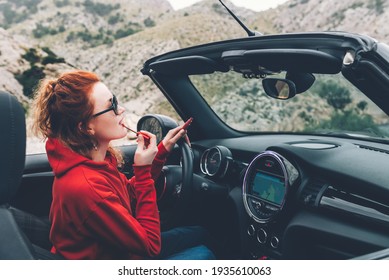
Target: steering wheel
174 185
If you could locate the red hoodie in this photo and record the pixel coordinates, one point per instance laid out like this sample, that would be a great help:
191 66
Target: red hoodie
91 212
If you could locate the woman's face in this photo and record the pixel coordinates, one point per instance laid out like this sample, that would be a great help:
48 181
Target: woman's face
106 126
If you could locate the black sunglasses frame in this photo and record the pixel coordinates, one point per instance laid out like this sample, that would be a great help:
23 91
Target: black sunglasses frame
113 107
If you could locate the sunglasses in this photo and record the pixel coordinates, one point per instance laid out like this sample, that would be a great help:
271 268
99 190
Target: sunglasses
114 107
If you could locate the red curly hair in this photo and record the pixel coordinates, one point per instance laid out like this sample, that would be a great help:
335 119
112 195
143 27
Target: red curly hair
63 108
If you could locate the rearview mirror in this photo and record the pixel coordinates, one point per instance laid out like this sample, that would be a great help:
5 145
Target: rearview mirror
279 88
302 81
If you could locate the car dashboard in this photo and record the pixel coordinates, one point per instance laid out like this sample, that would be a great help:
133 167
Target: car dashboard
299 196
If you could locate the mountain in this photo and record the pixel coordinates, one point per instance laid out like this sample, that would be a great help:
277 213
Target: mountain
368 17
11 64
111 39
42 38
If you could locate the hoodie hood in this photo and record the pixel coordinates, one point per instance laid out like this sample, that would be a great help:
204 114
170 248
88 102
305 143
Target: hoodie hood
62 158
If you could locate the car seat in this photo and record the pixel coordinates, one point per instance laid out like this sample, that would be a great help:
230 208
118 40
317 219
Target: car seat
14 244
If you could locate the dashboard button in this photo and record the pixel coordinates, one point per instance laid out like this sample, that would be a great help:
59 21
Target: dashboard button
274 242
251 230
271 208
257 204
262 236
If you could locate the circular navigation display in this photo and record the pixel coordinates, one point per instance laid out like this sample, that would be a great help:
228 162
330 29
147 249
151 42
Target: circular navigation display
265 186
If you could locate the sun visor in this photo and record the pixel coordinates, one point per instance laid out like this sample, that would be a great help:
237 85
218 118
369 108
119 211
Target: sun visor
301 60
188 65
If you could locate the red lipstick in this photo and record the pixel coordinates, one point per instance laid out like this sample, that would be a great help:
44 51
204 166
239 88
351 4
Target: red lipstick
145 136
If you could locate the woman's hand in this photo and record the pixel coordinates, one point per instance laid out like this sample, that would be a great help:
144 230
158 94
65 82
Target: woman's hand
173 136
146 150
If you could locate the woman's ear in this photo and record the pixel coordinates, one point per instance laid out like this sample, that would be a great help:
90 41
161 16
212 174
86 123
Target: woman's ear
88 128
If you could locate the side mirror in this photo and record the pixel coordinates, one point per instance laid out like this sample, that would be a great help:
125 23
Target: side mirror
279 88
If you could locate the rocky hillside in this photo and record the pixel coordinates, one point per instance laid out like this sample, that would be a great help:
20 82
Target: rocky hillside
11 64
113 38
368 17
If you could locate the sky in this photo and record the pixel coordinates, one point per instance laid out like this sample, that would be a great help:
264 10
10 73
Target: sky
255 5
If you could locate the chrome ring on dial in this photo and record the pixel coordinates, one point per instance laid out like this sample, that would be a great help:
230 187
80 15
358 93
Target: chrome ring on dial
215 161
265 185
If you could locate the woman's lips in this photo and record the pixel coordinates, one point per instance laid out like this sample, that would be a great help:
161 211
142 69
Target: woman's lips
121 121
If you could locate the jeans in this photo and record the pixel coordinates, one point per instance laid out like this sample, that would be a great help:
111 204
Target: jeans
182 243
36 229
185 243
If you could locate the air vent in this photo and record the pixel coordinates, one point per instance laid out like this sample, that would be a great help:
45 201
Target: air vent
373 149
355 205
311 191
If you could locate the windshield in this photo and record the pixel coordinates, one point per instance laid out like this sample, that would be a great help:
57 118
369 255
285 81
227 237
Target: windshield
331 106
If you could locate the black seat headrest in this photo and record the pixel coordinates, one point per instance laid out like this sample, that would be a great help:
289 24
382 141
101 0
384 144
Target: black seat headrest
12 145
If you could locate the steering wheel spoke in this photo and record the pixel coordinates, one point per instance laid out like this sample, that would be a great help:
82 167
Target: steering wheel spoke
174 186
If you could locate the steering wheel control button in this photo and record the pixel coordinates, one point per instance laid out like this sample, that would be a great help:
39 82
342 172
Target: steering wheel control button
204 186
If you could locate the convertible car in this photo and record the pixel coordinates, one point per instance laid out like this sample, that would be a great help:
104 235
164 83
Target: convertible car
289 149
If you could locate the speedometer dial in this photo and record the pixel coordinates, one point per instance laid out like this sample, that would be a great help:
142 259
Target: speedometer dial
159 125
154 126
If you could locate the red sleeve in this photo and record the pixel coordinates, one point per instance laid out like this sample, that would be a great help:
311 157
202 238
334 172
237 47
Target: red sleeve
138 234
159 161
156 167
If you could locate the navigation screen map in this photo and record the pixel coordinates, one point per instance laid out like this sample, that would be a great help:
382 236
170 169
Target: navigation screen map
269 188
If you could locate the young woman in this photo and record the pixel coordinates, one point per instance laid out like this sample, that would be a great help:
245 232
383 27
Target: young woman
97 213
